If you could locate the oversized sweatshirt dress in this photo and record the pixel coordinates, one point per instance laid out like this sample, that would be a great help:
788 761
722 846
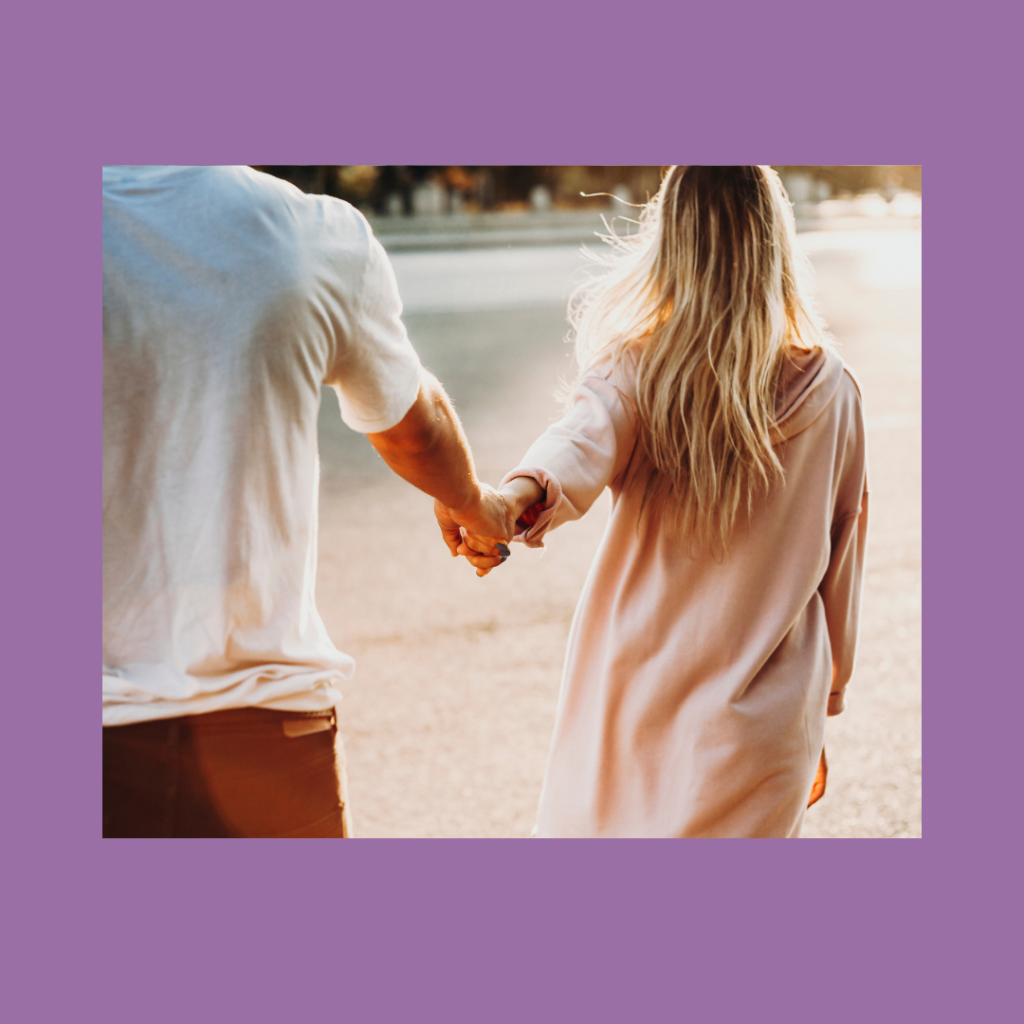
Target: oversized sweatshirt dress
696 687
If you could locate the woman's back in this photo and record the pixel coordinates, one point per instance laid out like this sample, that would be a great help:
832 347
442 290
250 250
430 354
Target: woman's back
717 627
696 682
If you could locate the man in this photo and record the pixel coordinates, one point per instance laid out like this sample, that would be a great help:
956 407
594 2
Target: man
229 297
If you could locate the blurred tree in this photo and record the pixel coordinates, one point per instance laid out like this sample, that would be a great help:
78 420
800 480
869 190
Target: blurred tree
356 183
389 189
851 179
385 188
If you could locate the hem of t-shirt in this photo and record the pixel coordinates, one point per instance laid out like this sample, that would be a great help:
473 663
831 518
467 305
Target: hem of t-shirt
391 418
323 697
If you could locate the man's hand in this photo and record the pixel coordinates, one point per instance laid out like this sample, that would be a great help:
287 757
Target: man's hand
488 517
521 496
818 789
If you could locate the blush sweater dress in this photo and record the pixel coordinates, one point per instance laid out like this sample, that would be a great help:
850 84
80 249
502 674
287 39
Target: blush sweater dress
695 689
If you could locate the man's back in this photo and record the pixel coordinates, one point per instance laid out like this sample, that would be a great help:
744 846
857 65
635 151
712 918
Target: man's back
228 299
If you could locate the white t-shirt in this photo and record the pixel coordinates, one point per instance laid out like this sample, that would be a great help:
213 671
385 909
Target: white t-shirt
229 297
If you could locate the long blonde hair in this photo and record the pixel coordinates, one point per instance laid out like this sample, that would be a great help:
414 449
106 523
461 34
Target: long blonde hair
709 292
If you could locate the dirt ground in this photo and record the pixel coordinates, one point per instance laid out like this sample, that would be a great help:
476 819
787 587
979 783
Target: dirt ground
447 721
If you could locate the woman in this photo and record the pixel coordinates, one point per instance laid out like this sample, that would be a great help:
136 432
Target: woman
717 626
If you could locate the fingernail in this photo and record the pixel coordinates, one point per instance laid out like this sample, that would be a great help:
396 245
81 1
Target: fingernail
503 549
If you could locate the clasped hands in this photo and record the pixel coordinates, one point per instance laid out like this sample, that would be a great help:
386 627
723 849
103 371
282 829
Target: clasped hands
481 531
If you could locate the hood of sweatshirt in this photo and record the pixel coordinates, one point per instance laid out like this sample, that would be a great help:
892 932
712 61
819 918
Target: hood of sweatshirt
809 382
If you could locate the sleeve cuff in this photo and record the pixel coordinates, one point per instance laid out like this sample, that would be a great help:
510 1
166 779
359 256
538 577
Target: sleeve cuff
395 413
533 537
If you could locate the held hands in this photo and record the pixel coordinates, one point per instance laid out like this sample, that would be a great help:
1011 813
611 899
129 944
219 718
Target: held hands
485 547
486 551
488 518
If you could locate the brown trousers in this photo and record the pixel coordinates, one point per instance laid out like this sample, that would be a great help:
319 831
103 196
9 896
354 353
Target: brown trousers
241 772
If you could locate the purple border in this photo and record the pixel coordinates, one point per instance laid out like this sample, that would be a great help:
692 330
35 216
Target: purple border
487 931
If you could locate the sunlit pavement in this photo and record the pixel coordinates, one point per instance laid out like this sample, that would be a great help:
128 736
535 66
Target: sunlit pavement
448 719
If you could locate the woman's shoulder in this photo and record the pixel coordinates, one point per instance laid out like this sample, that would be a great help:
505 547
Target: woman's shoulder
813 381
614 373
617 366
848 388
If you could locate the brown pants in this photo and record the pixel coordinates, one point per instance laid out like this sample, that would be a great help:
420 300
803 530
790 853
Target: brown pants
241 772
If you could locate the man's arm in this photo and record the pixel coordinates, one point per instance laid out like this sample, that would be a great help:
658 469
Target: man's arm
428 449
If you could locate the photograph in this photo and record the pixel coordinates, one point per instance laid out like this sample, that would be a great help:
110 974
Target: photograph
550 473
512 501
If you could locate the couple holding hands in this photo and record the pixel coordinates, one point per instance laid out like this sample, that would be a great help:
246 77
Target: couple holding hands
717 627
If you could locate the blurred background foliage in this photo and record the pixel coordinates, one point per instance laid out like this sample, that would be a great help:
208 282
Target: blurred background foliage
409 190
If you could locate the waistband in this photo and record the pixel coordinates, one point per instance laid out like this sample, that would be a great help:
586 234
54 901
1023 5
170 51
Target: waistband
291 723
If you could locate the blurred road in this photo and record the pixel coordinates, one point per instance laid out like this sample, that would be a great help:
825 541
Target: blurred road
447 721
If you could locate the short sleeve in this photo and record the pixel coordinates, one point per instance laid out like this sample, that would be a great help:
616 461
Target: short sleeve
376 372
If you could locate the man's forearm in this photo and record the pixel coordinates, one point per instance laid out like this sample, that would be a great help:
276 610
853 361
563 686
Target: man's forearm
429 449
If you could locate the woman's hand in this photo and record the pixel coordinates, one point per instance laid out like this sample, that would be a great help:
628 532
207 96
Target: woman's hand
483 553
524 497
818 789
